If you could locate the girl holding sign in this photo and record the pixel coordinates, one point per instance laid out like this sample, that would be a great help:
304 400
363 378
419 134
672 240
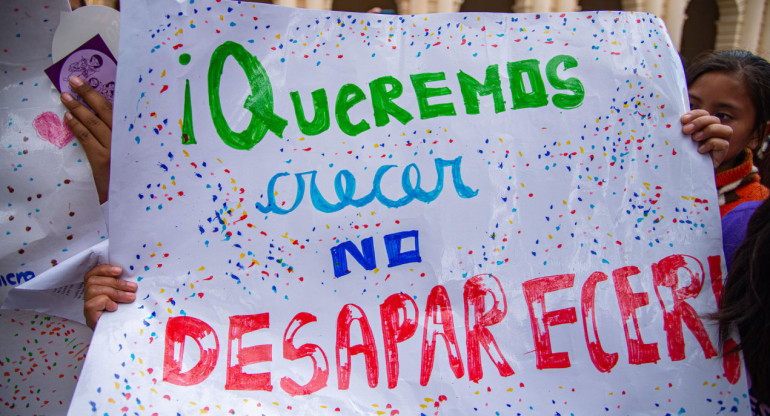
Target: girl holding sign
734 88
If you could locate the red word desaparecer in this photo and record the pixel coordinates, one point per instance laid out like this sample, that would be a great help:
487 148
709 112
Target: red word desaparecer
400 315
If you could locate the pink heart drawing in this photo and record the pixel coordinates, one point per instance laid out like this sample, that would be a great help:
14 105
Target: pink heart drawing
52 129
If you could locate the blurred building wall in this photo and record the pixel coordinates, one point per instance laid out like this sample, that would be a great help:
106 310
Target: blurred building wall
695 26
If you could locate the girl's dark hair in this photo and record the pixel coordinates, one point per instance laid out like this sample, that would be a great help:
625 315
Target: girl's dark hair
754 70
745 302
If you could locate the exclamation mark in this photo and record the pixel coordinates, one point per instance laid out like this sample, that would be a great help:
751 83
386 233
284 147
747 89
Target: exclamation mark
731 359
188 133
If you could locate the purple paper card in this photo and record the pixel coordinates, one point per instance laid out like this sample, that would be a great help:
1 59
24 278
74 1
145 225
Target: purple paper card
93 63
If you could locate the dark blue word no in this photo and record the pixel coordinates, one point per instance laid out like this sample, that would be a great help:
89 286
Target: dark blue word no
367 259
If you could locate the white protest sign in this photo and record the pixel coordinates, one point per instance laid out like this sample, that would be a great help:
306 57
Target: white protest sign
356 213
50 208
40 362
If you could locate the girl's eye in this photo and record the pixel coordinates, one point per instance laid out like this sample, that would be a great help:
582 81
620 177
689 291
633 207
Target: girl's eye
723 117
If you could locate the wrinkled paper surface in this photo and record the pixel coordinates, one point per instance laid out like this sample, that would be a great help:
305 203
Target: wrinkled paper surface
323 214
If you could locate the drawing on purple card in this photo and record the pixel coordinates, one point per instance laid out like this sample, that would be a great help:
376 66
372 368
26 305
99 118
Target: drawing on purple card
93 63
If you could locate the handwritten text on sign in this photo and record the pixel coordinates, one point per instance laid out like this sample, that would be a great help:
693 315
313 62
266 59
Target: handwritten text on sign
399 316
406 214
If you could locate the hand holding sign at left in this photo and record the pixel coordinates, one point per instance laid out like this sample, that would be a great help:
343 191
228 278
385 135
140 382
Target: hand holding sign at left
93 130
104 290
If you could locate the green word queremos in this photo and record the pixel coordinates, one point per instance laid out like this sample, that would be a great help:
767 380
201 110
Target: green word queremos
526 82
